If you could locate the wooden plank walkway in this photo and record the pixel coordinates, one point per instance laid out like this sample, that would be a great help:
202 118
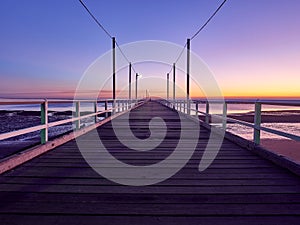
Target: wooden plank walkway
239 187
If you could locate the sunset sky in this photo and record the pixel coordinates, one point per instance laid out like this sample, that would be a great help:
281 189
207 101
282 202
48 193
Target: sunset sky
252 46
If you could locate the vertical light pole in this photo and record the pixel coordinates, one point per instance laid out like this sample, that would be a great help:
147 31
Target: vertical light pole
168 86
129 92
173 85
136 84
114 67
188 77
114 72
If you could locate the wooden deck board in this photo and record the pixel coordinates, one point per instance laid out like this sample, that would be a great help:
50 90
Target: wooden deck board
239 187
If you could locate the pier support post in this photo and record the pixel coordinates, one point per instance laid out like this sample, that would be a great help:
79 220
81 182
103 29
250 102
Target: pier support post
44 121
257 123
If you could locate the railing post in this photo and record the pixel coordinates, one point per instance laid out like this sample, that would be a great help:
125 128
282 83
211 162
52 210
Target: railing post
44 121
105 108
224 118
207 113
77 114
257 122
197 109
95 111
114 104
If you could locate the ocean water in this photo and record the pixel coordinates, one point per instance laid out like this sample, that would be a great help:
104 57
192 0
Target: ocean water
242 108
247 132
59 107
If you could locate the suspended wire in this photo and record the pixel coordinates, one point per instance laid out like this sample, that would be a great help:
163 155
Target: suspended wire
201 28
181 53
99 24
209 19
179 56
103 28
125 56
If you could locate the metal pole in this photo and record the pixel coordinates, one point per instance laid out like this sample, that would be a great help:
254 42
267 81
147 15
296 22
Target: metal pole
114 67
188 77
168 86
136 85
173 85
129 94
114 73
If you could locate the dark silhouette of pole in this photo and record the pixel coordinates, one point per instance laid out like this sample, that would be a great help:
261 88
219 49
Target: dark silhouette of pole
114 67
167 86
173 85
129 93
188 76
136 85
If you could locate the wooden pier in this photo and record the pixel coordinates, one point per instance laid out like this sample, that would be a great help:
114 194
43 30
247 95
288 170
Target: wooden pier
240 187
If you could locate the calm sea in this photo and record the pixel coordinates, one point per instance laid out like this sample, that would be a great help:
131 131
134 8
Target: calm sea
60 107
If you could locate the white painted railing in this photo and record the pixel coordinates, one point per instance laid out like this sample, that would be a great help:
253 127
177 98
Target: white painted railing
117 106
186 107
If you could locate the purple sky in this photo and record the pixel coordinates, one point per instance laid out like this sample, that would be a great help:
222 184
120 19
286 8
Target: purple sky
252 46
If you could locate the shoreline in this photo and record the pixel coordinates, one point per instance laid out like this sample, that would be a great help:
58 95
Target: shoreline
284 147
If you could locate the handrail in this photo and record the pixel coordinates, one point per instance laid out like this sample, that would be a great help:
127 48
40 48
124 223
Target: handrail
256 125
118 106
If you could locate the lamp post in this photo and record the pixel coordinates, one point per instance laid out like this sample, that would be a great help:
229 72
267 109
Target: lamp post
129 91
114 73
188 77
136 84
168 86
174 85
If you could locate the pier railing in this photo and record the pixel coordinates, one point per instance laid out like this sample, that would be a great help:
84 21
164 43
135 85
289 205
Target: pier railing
192 108
116 106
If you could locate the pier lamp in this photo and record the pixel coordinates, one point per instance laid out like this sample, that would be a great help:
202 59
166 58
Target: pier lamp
136 84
